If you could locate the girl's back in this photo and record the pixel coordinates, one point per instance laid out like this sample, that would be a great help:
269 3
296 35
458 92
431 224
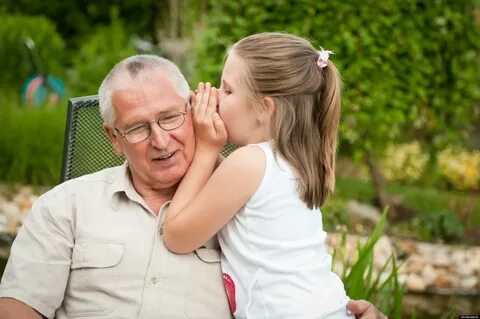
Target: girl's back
274 259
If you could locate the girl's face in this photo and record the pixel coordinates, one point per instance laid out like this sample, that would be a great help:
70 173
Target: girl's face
235 108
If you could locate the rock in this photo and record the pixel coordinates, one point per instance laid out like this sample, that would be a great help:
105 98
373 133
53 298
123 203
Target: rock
363 211
440 259
466 270
469 282
429 274
382 251
415 283
444 281
3 223
413 265
406 247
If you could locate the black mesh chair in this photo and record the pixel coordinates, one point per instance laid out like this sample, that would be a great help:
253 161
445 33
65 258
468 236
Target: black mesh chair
86 147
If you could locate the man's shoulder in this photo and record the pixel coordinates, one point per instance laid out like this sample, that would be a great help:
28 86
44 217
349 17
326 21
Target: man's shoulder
93 182
104 175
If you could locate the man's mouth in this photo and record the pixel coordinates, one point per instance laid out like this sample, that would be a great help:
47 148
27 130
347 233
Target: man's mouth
164 158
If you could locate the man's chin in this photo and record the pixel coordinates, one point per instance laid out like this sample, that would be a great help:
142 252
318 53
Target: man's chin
169 179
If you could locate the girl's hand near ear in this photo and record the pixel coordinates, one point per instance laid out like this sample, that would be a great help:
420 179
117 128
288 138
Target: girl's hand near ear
210 132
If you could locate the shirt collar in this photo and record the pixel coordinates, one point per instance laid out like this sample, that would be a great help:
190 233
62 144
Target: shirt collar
121 186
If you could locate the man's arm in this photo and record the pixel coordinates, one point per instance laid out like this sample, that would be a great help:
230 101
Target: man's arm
13 309
38 267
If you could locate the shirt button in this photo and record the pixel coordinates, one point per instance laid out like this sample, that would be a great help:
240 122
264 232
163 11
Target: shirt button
154 280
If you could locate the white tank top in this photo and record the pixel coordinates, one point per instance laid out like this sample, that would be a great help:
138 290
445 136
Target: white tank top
274 259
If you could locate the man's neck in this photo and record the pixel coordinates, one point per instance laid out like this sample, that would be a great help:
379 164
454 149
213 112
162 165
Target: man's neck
155 197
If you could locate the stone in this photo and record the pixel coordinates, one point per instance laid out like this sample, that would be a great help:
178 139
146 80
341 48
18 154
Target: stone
440 259
469 282
406 247
414 264
465 270
444 281
363 211
415 283
429 274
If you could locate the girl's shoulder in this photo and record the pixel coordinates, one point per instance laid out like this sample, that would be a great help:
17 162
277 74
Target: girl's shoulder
250 157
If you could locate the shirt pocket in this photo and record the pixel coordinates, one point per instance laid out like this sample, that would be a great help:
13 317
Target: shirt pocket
207 277
91 289
96 254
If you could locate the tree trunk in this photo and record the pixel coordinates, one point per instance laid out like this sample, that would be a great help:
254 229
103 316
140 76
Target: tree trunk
381 198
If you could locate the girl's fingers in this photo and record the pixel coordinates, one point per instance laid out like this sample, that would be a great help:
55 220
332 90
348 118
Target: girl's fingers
212 102
206 98
220 130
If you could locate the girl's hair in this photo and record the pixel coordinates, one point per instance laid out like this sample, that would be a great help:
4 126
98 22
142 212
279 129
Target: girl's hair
307 98
131 68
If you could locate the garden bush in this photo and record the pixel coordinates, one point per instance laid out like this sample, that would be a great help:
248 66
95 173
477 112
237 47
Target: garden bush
31 144
410 68
460 168
98 53
445 225
15 60
404 162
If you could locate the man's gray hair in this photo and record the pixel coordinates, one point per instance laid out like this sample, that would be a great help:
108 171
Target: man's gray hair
128 70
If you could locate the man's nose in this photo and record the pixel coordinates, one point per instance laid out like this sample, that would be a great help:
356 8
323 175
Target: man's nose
159 138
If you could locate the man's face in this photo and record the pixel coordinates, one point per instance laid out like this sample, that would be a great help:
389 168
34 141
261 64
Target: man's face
160 161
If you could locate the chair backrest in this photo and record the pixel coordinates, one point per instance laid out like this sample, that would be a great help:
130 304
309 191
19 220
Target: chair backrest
86 147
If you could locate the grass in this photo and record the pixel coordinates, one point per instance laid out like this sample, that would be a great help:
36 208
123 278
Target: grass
425 202
31 143
361 282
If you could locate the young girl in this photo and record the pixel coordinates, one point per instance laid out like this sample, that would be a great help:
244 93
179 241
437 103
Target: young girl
279 101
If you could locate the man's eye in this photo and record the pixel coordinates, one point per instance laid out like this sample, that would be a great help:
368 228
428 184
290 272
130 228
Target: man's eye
169 119
137 129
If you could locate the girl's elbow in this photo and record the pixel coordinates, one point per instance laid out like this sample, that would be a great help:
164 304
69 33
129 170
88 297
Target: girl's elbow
174 243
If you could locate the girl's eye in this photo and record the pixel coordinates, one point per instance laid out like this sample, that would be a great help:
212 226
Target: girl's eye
227 91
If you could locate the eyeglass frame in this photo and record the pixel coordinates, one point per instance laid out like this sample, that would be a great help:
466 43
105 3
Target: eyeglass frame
124 134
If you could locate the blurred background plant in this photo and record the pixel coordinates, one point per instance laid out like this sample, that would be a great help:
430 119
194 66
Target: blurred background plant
404 163
461 168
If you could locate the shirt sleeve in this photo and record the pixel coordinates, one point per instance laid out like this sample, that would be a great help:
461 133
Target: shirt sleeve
38 268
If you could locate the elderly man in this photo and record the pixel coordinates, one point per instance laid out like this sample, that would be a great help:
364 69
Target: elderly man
92 247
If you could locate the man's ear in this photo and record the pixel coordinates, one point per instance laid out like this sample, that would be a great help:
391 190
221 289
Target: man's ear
191 99
114 139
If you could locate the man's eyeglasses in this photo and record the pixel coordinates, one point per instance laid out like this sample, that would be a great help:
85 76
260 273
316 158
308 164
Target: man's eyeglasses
142 131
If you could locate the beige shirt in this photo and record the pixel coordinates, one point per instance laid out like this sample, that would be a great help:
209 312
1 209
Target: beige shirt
91 248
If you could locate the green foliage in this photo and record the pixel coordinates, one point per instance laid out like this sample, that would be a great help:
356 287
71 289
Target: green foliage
16 61
444 225
75 18
31 144
361 282
334 214
454 212
100 51
404 63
